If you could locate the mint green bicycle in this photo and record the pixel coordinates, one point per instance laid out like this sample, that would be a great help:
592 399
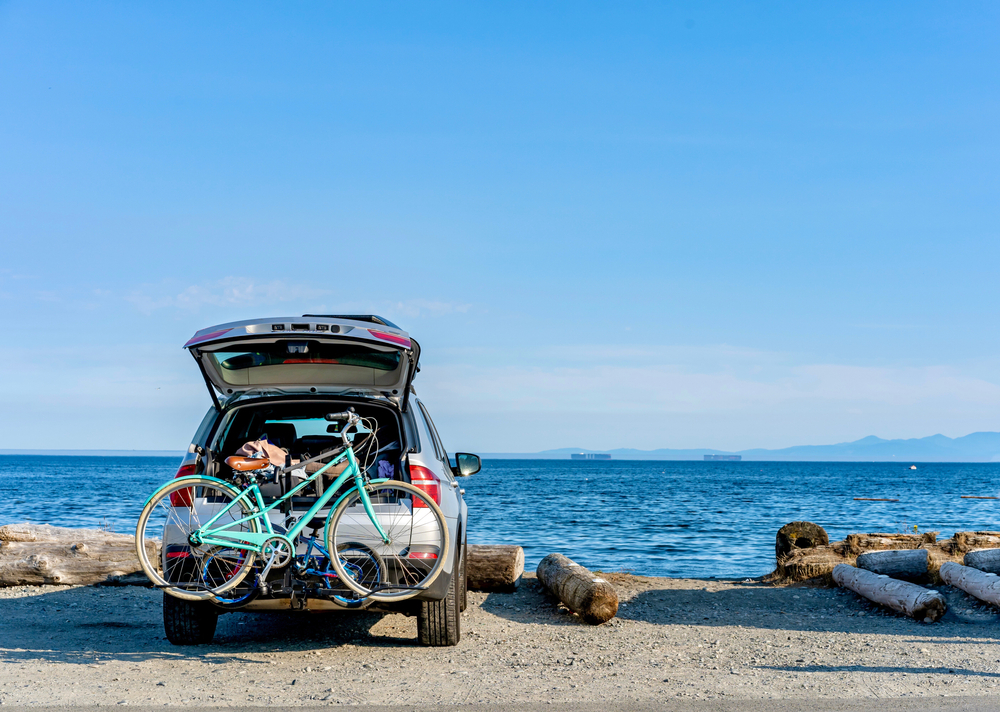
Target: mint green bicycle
385 540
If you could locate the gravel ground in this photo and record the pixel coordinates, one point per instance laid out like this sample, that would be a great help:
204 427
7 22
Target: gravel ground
673 639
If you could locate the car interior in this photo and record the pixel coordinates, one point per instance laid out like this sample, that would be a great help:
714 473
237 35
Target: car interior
301 428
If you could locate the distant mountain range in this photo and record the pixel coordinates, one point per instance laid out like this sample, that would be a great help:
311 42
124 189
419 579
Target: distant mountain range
977 447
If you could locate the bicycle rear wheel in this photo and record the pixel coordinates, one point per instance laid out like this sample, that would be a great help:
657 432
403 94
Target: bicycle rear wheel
417 547
182 569
362 564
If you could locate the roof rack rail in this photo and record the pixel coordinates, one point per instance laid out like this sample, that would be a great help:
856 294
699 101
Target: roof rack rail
370 318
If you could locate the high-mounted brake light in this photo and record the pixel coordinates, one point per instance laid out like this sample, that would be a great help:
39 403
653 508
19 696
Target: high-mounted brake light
197 339
182 497
392 338
427 481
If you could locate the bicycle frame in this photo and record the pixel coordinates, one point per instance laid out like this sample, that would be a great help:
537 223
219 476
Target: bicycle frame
254 541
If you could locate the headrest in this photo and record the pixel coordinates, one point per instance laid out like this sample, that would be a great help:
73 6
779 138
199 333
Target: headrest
280 434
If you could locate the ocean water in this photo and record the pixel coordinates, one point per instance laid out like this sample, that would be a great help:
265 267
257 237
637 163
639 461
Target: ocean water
692 519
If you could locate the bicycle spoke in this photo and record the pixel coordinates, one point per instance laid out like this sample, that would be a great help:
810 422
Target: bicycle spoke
417 539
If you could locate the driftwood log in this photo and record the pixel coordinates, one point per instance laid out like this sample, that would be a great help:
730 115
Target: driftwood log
799 535
589 596
494 568
915 601
816 563
987 560
982 585
42 554
906 564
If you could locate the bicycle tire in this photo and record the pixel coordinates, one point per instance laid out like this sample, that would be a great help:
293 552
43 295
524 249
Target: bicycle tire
186 568
424 535
240 595
354 551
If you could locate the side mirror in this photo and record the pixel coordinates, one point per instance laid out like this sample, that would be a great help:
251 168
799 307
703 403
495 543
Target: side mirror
467 464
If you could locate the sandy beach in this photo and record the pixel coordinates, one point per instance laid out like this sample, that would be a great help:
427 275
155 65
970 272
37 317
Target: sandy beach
674 639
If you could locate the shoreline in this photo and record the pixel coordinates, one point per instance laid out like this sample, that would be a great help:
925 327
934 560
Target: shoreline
673 639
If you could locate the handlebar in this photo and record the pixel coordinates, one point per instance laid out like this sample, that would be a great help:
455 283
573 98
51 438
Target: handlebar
350 416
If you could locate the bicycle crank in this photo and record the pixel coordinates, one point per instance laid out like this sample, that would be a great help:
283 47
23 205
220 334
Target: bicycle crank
278 552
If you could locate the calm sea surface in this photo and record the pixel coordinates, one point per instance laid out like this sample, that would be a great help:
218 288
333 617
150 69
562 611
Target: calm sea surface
694 519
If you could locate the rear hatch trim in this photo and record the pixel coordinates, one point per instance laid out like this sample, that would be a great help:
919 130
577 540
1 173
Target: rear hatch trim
331 366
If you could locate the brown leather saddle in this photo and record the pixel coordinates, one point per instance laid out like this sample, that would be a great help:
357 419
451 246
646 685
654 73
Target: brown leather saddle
243 464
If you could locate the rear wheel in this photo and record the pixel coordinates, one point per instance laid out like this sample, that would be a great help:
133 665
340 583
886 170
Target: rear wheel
439 623
188 622
185 570
417 547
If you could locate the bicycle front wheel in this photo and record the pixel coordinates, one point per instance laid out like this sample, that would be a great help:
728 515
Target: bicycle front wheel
417 547
182 569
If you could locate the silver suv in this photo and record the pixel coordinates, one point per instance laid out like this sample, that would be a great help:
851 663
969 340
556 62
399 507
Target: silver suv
278 378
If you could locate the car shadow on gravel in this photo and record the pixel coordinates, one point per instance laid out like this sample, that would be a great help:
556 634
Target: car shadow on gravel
96 624
806 610
529 604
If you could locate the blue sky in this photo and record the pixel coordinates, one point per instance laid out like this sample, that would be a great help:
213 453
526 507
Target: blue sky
610 225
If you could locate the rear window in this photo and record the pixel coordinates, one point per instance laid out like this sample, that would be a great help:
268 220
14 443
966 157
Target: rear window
235 362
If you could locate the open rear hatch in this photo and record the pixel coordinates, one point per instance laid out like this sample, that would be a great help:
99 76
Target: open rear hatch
312 354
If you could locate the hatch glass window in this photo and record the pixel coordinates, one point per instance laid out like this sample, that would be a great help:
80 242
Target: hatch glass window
240 358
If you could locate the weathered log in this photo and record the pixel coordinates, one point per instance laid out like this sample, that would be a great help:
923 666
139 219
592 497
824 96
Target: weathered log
494 568
860 543
963 542
906 564
987 560
798 535
589 596
818 563
915 601
805 564
42 554
982 585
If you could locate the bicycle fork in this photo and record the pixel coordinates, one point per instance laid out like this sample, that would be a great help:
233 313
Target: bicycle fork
369 510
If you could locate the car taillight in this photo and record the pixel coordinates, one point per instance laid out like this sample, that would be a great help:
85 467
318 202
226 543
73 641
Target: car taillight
182 497
424 479
391 338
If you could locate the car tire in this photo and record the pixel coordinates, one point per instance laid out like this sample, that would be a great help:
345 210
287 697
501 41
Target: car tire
439 622
463 581
189 622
